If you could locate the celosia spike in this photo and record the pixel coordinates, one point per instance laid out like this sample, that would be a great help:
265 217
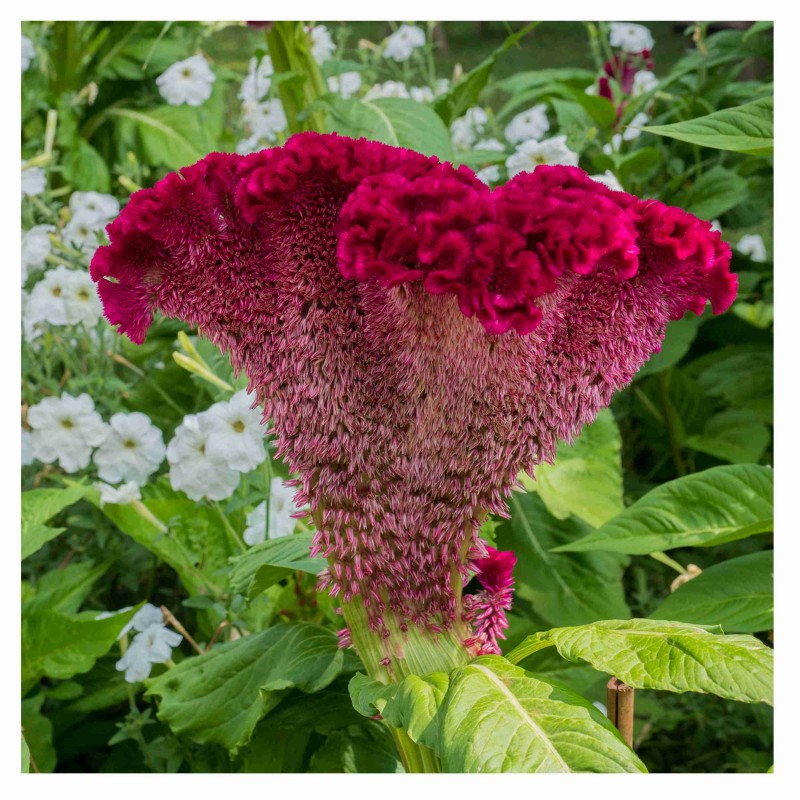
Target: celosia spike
417 339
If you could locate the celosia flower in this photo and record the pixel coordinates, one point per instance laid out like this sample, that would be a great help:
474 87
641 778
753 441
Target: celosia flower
417 338
487 609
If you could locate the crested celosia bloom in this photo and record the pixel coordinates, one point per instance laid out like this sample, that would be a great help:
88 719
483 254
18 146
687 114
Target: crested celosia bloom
486 610
416 337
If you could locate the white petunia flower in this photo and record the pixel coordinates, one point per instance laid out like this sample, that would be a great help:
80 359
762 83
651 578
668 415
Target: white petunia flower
265 120
34 181
346 83
121 495
28 52
81 232
81 300
530 124
466 130
189 81
532 154
281 522
633 130
35 248
255 531
132 451
259 78
191 469
387 89
66 429
48 298
322 46
490 144
31 328
27 449
752 245
629 36
151 646
403 42
422 94
608 178
643 82
235 434
93 207
489 174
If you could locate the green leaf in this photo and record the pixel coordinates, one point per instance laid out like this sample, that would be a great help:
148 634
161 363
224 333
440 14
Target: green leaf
742 129
26 755
496 717
564 589
713 507
672 656
574 122
521 82
268 562
38 506
163 136
86 169
738 436
677 341
219 697
58 645
586 477
66 588
416 126
465 93
38 736
737 595
357 752
715 192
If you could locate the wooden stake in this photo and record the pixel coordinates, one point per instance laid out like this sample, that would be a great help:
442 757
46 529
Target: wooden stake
619 702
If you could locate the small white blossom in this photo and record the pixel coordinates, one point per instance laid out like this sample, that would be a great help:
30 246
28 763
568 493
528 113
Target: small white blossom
28 52
146 616
265 120
608 178
82 303
633 130
532 154
530 124
466 130
614 145
132 451
34 181
490 144
322 46
94 207
281 521
191 469
629 36
48 298
346 83
716 225
489 174
27 449
35 247
255 531
66 429
189 81
387 89
422 94
121 495
152 645
591 89
259 78
403 42
31 328
81 232
235 434
752 245
643 82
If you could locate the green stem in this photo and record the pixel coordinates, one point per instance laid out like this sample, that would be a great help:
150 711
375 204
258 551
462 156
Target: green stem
670 562
234 536
672 423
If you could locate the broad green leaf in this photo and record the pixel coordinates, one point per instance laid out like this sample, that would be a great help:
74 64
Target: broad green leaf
564 589
219 697
38 506
86 169
273 749
357 118
465 93
713 507
66 588
672 656
737 595
357 752
574 122
164 140
742 129
738 436
268 562
496 717
416 126
714 192
521 82
586 477
679 337
38 736
26 755
58 645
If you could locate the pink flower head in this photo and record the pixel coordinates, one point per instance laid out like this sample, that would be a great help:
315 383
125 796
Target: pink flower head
486 610
417 338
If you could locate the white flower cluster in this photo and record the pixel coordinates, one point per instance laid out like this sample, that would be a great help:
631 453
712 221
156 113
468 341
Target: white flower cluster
322 45
263 118
403 42
188 82
211 449
62 297
643 82
467 129
630 37
152 644
34 180
281 508
532 153
530 124
345 83
35 248
422 94
752 246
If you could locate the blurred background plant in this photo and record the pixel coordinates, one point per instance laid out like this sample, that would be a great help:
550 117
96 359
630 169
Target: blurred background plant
147 484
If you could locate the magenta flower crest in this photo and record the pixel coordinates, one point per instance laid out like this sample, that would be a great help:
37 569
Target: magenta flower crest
486 610
417 338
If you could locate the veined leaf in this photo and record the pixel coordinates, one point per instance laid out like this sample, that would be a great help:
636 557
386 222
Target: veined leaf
65 589
219 697
677 341
737 595
736 435
673 656
742 129
713 507
38 506
715 192
268 562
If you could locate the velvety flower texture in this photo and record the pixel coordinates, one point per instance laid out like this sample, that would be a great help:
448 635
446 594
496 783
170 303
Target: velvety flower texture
486 610
417 338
